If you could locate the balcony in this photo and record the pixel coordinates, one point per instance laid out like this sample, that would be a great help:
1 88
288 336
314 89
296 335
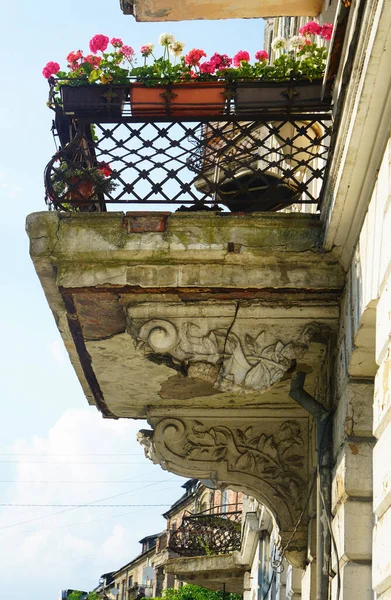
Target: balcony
161 10
249 147
208 532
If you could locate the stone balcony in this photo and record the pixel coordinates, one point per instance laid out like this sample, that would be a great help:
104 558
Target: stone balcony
196 321
161 10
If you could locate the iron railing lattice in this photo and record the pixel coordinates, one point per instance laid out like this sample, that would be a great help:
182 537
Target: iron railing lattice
207 533
266 162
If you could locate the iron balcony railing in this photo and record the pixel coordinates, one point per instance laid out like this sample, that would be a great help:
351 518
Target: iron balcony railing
208 533
256 155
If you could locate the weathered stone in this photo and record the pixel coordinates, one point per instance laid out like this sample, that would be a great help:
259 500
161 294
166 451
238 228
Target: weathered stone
210 571
353 416
382 473
352 528
352 476
382 401
355 583
381 576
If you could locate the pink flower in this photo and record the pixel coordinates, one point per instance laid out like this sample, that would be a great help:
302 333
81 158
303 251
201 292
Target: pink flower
193 57
326 31
99 43
207 67
50 69
127 51
116 42
220 61
146 50
241 56
261 55
310 28
93 60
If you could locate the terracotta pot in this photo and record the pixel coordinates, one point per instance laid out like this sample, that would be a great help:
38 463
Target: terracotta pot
177 100
103 101
258 95
80 192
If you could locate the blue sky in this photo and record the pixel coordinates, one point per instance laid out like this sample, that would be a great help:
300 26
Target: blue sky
54 449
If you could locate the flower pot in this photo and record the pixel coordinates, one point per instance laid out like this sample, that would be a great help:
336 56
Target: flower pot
258 95
103 101
80 191
177 100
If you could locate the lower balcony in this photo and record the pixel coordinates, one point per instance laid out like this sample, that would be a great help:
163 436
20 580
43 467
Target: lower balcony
207 533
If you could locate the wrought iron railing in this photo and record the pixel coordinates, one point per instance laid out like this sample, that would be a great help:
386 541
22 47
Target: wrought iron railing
248 159
207 533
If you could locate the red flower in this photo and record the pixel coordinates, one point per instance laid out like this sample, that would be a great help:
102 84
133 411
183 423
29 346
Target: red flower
127 51
326 31
105 169
241 56
93 60
99 42
310 28
74 56
207 67
50 69
261 55
193 57
220 61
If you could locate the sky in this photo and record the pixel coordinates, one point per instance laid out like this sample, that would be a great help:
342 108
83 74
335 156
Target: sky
54 448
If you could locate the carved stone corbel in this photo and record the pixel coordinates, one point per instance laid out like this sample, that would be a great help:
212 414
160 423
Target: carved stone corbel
263 455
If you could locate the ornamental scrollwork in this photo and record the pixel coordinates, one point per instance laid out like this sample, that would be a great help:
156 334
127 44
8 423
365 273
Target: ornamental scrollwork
228 360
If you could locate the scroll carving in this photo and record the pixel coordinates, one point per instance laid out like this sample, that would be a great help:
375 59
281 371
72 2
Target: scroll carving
228 360
266 458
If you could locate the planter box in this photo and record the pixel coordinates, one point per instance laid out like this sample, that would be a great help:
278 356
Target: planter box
177 100
103 101
255 96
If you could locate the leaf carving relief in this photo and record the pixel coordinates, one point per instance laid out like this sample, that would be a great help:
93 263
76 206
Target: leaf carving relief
228 360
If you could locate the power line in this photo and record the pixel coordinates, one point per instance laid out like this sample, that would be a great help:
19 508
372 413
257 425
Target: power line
76 505
82 481
73 508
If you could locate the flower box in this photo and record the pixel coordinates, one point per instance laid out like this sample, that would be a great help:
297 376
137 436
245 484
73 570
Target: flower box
178 100
104 101
258 95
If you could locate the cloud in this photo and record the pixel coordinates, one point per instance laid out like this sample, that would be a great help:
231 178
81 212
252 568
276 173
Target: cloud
83 458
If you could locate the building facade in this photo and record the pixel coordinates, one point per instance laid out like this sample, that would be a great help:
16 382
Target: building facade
259 342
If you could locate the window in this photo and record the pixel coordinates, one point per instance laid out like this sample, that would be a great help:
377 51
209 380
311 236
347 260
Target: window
130 581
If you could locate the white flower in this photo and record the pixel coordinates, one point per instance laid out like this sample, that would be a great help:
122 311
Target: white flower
176 48
297 41
166 39
278 43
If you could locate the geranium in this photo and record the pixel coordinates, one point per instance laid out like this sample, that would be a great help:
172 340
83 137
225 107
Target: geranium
241 56
146 50
297 42
99 43
326 31
74 56
93 60
128 52
50 69
116 42
310 28
220 61
279 43
176 48
105 169
208 67
262 55
166 39
193 57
